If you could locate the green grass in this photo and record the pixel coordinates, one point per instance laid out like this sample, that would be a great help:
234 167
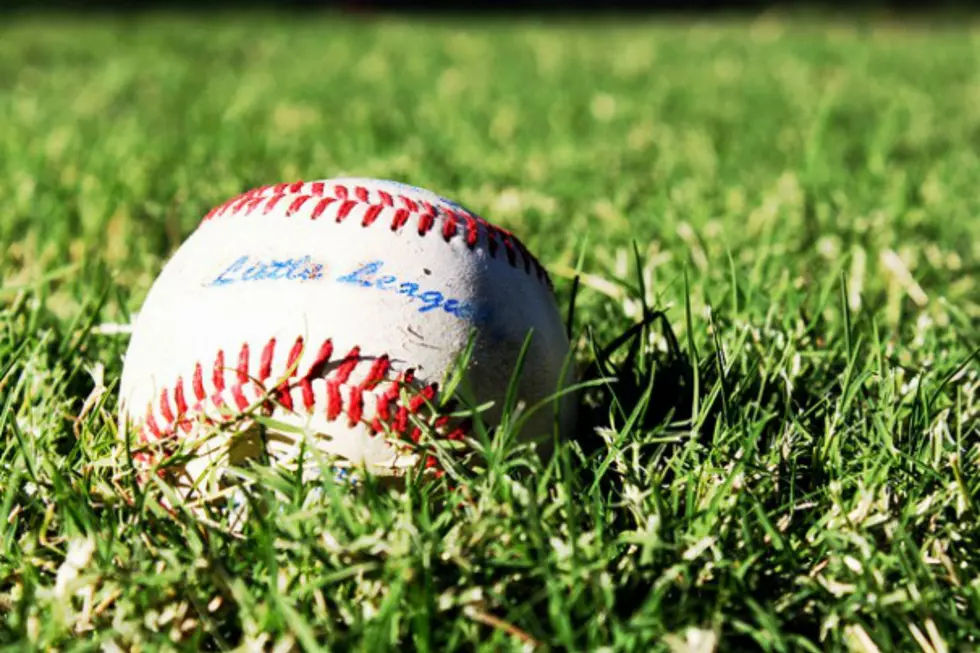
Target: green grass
799 198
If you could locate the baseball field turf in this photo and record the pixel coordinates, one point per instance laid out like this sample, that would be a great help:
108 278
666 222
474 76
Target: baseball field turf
783 454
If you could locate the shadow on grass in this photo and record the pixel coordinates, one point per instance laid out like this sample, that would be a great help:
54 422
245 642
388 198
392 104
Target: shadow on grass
658 391
644 391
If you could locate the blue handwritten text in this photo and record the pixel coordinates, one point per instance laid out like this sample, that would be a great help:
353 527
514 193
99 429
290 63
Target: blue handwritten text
368 276
246 268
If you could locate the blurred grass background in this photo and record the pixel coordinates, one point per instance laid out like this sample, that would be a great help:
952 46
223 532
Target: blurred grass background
807 188
122 133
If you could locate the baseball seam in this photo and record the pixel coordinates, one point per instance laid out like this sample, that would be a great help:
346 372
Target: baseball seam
325 387
313 199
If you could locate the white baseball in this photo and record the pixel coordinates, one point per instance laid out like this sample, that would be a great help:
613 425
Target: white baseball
319 302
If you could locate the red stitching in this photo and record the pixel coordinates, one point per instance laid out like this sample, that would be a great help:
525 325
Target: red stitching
309 401
238 206
271 204
383 409
334 403
218 373
345 210
427 221
355 409
198 383
391 412
346 368
294 355
321 360
151 424
378 372
472 230
221 208
449 225
253 204
242 369
284 397
371 214
165 407
298 204
426 395
179 399
401 420
401 217
454 222
265 364
321 206
236 393
409 203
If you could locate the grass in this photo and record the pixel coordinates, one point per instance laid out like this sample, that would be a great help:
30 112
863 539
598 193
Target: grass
798 199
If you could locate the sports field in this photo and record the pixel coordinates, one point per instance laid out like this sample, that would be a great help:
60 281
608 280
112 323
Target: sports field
787 460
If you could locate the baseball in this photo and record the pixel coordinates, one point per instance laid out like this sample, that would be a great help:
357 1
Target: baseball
336 309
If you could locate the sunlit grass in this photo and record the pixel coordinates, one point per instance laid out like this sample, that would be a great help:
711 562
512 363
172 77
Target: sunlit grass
797 470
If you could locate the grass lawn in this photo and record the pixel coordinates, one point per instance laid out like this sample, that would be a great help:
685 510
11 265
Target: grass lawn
799 198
